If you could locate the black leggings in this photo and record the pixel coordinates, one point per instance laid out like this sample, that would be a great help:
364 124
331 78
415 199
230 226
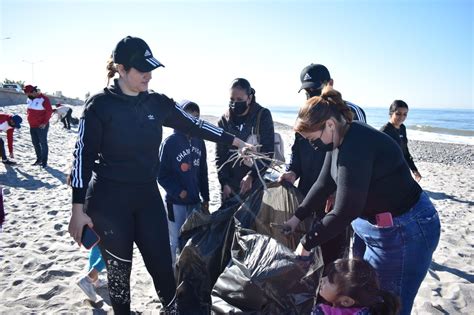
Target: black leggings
126 213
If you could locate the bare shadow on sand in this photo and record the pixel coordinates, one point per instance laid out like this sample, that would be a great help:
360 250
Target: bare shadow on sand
11 179
461 274
59 175
443 196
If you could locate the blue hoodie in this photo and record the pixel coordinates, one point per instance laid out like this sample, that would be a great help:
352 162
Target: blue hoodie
183 166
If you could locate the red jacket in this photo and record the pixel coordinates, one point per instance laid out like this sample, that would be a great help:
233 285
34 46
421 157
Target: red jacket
4 118
39 111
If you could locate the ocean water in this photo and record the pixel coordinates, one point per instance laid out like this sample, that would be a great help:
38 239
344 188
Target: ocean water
438 125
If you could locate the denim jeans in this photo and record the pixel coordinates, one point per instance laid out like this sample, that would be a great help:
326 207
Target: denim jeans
402 254
39 137
181 213
95 259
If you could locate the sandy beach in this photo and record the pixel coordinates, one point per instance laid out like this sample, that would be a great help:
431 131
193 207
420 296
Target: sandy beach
40 263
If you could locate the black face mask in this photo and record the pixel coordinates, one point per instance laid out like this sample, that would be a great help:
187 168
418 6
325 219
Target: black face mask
311 93
321 146
31 97
318 144
239 107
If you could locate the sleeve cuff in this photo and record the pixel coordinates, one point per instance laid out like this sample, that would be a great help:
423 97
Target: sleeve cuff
227 138
300 213
79 195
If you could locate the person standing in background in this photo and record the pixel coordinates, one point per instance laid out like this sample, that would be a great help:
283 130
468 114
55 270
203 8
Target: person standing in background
7 124
183 174
39 112
395 128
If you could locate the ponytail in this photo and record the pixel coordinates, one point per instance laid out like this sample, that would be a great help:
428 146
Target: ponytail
387 304
335 99
313 115
112 69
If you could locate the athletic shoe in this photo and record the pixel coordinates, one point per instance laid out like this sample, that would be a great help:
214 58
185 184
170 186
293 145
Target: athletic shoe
37 162
8 162
100 283
88 288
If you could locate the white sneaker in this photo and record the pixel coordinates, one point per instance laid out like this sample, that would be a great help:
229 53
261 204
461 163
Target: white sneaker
100 283
88 288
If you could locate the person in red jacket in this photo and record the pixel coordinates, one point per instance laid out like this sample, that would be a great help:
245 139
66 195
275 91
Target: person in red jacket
7 124
39 112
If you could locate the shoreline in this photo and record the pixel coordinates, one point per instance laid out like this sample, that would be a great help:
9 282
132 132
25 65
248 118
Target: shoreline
422 151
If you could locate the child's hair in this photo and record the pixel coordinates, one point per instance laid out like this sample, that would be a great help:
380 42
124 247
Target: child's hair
358 280
191 107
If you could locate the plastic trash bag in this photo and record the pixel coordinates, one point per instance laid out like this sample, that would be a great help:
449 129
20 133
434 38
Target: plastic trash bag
266 277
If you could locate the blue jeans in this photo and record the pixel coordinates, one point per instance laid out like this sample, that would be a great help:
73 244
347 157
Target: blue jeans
402 254
95 259
39 137
181 213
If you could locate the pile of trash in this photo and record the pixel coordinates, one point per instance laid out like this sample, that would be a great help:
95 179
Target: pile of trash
237 261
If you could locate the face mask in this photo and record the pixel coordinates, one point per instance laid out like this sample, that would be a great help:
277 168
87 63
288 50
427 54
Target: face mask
31 97
238 108
311 93
318 144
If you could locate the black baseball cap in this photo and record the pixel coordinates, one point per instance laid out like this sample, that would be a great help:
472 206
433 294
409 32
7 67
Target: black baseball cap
134 52
314 76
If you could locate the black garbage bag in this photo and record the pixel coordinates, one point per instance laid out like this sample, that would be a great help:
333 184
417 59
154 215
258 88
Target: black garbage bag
266 277
205 250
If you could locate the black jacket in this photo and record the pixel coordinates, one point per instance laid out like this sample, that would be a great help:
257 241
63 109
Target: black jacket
400 137
233 175
120 136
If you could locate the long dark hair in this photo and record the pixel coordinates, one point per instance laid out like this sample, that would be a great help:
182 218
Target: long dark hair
396 104
358 280
313 115
243 84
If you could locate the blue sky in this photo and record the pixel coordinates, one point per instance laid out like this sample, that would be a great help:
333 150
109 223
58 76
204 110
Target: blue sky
376 51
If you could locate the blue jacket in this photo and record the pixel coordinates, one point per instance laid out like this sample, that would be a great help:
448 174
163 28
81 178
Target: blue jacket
183 166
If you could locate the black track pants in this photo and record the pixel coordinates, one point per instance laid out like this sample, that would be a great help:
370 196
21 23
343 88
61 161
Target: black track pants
123 214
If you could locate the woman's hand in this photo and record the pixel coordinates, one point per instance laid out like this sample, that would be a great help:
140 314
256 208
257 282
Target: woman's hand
288 176
246 184
226 191
300 251
417 176
290 225
77 222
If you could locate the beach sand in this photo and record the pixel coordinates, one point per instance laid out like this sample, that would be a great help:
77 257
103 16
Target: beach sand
40 263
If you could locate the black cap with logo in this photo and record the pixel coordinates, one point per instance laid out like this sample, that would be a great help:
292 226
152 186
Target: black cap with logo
134 52
314 76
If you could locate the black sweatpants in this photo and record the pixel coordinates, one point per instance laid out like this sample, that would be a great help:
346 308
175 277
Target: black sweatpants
123 214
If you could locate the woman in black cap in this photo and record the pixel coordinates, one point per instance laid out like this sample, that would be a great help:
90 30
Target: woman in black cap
119 138
244 118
